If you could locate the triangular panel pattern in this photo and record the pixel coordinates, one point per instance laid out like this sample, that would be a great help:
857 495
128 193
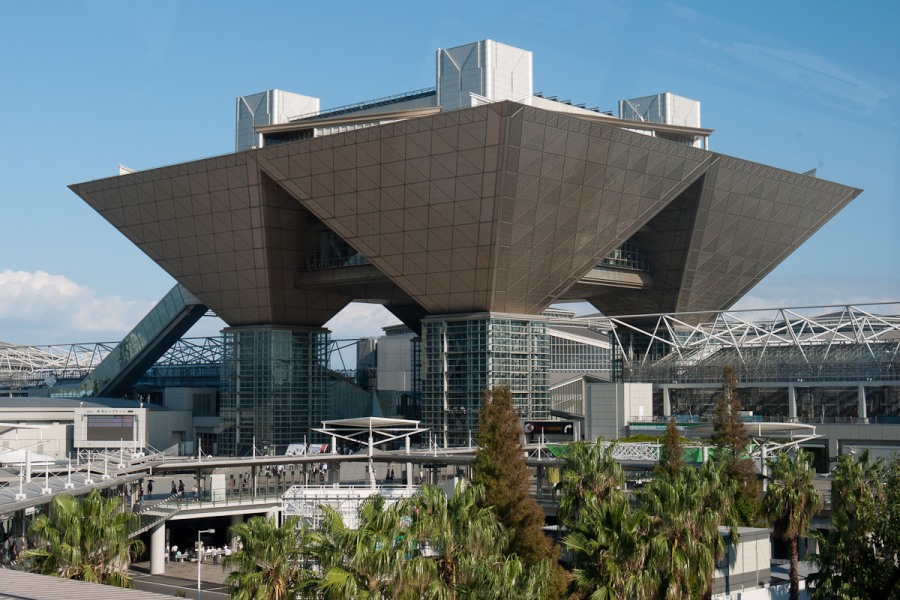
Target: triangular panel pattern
751 218
502 207
581 190
230 238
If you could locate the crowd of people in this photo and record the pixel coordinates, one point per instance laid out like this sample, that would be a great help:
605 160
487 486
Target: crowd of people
209 554
12 548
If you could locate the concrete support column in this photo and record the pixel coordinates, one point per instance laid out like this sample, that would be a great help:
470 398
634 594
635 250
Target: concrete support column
235 520
409 468
862 412
272 514
371 465
792 403
158 549
667 402
834 449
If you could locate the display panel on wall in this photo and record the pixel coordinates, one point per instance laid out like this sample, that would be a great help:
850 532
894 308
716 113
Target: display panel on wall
109 428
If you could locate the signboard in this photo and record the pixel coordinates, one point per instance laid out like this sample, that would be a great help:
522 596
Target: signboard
564 428
305 450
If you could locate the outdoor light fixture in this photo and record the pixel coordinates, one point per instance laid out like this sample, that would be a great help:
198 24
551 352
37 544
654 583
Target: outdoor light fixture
200 556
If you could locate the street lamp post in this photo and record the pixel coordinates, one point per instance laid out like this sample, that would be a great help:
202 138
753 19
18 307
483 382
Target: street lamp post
200 556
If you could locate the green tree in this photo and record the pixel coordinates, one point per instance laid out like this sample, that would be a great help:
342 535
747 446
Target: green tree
671 458
590 472
790 503
731 441
500 468
465 550
858 555
453 529
86 539
607 542
685 512
361 563
268 564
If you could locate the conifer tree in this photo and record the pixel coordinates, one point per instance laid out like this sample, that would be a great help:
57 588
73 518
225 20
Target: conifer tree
729 433
500 467
671 458
731 441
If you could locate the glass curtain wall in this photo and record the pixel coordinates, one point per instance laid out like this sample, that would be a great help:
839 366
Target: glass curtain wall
273 387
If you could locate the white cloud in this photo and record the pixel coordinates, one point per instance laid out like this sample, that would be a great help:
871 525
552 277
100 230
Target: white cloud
40 308
818 291
359 320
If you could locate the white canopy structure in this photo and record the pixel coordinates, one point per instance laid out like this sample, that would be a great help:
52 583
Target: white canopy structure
371 432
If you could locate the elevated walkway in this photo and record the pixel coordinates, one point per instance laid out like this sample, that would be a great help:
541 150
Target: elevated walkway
164 325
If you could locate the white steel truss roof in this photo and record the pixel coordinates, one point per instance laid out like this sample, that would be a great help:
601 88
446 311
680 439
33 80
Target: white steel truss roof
869 325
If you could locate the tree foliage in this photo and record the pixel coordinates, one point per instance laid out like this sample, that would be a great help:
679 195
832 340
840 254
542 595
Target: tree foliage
731 441
664 543
358 563
590 472
790 503
85 539
466 550
685 512
671 459
608 544
429 546
500 468
268 565
858 556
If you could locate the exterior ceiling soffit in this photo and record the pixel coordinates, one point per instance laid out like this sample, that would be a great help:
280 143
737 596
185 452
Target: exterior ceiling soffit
666 197
406 131
730 285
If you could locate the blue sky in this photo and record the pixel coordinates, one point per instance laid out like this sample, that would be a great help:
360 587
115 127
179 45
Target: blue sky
89 85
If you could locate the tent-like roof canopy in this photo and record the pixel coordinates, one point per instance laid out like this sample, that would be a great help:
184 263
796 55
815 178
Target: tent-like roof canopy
371 423
372 431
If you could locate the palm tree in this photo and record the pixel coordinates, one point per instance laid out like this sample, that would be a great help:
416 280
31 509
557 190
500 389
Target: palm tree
685 512
848 557
460 550
790 503
361 563
269 563
607 543
590 471
86 539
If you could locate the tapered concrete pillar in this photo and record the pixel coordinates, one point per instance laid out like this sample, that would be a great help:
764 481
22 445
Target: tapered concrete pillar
272 514
792 403
862 403
667 403
158 549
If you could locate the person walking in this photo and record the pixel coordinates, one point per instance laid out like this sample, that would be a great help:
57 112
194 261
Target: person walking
174 488
180 488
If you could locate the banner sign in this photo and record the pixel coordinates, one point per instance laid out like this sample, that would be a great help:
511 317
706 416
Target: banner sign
303 450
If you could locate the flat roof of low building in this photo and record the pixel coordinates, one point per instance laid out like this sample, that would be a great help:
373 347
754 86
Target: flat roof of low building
30 586
37 402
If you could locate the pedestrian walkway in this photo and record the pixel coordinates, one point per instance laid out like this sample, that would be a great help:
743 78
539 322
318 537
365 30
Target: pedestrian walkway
182 577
